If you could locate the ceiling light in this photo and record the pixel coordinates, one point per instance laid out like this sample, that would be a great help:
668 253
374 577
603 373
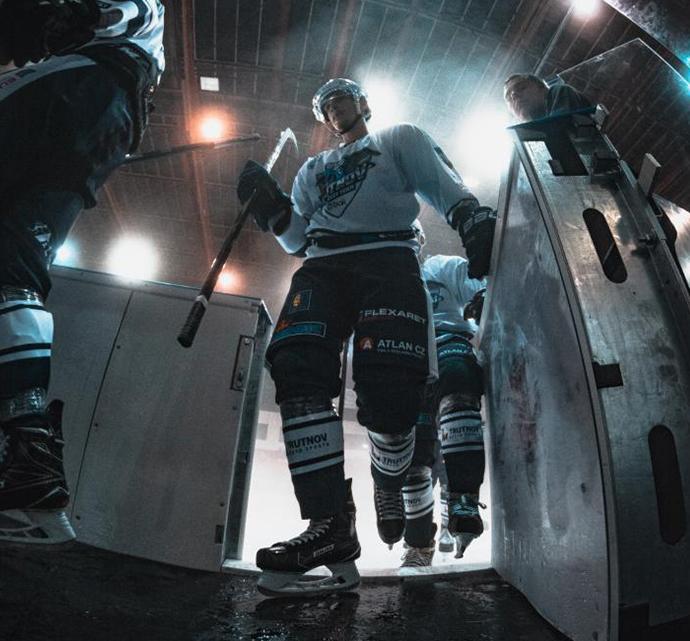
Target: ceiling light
386 103
585 8
482 146
64 254
209 84
227 280
133 258
212 128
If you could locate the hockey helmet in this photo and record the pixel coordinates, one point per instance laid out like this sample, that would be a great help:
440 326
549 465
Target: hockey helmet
338 87
419 233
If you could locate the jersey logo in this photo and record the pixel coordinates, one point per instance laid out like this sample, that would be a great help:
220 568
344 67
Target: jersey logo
435 292
340 181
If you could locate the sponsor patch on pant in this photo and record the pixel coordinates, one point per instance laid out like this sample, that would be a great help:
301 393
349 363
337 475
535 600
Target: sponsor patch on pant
286 329
301 301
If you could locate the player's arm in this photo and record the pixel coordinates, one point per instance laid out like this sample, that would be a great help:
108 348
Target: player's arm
434 178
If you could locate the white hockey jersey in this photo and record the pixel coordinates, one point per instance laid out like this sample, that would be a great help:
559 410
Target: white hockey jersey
139 22
371 185
451 289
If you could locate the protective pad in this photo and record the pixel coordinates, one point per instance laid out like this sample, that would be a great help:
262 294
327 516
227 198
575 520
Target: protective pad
418 495
391 454
26 331
313 442
461 431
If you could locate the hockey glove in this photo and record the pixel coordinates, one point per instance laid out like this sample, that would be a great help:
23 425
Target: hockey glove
476 225
473 309
270 207
30 30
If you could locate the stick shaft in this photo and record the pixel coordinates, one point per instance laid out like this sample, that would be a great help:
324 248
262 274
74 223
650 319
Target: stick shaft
197 146
191 326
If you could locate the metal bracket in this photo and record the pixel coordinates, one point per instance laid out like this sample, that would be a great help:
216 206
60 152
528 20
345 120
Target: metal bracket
243 358
648 174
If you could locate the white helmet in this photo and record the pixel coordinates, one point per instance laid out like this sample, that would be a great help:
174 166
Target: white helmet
419 233
335 87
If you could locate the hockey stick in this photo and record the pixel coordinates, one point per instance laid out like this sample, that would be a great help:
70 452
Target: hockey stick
191 326
181 149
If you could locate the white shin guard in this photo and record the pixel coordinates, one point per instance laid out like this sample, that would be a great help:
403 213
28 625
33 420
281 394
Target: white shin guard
391 454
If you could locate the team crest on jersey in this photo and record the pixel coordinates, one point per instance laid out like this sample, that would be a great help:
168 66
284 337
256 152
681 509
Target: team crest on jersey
340 181
435 292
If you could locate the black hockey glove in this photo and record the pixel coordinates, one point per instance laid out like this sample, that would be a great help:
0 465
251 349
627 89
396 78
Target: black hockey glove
271 207
30 30
476 225
473 309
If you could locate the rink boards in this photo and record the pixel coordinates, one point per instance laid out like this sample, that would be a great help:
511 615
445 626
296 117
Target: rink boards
585 343
158 437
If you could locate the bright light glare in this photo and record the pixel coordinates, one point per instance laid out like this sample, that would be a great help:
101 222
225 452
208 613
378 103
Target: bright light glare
470 181
585 8
482 147
226 280
212 128
64 254
385 102
133 258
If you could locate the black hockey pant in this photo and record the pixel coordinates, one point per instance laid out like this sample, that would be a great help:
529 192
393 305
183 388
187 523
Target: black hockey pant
377 295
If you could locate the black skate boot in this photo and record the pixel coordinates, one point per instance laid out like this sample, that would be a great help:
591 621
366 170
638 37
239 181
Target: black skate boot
33 490
390 515
464 522
330 542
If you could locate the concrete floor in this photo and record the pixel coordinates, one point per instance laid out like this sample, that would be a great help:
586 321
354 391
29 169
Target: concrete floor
79 593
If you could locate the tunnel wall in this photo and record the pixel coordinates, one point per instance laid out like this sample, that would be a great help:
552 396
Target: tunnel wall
158 437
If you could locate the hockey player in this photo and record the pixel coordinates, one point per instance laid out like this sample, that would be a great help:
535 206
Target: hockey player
453 402
528 97
351 214
65 124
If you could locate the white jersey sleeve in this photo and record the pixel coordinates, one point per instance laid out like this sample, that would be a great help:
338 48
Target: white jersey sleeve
139 22
451 289
428 170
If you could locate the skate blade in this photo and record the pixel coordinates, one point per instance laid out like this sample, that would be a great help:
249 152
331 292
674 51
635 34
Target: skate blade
41 527
462 542
295 584
412 571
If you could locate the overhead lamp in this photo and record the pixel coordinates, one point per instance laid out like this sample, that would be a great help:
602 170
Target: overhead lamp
227 280
585 8
133 258
385 101
209 83
212 128
64 253
482 146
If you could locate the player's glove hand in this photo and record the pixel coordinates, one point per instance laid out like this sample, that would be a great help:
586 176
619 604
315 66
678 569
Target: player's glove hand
476 225
473 309
30 30
270 206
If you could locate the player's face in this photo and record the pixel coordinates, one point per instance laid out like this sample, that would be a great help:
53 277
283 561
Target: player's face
525 99
341 111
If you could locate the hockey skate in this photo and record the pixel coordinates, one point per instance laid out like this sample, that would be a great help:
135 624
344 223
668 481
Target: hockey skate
415 559
33 490
446 543
464 522
330 542
390 515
